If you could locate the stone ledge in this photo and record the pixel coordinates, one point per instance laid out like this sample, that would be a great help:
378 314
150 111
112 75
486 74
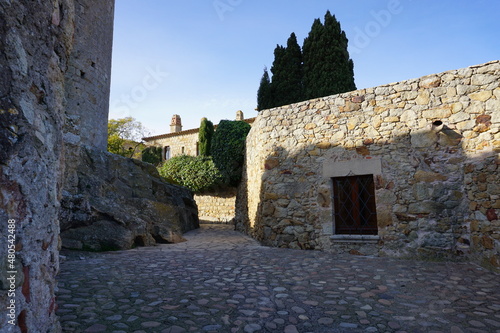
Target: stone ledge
355 238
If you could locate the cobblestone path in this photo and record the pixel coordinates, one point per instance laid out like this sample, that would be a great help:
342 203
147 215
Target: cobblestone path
222 281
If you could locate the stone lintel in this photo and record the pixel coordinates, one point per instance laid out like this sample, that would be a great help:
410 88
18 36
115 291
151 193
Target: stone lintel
369 166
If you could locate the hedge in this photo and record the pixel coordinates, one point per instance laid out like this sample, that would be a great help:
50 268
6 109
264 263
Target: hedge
198 174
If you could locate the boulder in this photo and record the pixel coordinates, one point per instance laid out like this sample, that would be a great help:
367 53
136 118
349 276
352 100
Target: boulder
117 203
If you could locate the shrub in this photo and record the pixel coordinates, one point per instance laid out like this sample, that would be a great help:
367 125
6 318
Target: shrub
152 155
196 173
228 149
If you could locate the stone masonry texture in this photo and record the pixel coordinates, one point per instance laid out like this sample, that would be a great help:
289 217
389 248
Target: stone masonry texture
432 145
42 43
88 74
216 206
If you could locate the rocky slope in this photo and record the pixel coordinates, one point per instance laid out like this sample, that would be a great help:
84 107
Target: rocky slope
118 203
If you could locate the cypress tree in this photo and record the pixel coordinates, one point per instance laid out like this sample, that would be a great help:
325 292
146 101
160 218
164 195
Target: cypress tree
328 70
286 84
264 92
291 87
278 69
205 135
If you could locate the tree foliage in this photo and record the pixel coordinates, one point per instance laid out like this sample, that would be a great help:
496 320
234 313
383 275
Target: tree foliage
286 85
328 70
125 136
264 93
152 155
323 67
198 173
228 149
205 135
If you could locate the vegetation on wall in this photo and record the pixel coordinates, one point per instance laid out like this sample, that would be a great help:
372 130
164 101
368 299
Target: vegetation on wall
228 149
222 169
152 155
125 137
322 68
205 135
198 173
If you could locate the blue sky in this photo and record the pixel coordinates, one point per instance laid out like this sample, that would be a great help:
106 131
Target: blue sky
205 58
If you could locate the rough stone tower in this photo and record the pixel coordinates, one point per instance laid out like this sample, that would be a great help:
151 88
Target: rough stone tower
175 124
54 90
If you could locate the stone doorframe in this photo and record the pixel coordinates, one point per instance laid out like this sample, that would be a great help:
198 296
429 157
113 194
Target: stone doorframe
355 167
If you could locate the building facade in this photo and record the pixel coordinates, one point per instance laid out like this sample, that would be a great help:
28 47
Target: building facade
216 207
179 142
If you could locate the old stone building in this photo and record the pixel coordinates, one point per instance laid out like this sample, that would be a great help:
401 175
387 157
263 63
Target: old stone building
406 169
179 142
216 207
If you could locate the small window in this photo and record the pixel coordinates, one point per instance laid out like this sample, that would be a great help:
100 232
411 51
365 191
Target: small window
182 150
166 153
197 149
354 205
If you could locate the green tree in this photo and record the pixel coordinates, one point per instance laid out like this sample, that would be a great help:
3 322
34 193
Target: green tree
328 69
286 84
264 92
228 149
125 136
205 135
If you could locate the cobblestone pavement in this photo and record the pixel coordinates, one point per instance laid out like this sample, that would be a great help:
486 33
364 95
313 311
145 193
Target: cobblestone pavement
222 281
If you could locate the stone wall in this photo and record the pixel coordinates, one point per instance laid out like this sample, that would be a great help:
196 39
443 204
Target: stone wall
432 145
42 54
217 206
36 43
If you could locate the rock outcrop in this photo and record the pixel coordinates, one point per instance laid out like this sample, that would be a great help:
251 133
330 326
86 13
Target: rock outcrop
117 203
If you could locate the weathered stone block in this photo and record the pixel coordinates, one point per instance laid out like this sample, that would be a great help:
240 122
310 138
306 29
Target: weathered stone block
423 139
423 98
481 96
430 82
271 163
384 216
439 113
429 176
426 207
483 79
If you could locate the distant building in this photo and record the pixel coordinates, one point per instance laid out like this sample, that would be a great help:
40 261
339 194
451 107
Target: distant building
179 142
